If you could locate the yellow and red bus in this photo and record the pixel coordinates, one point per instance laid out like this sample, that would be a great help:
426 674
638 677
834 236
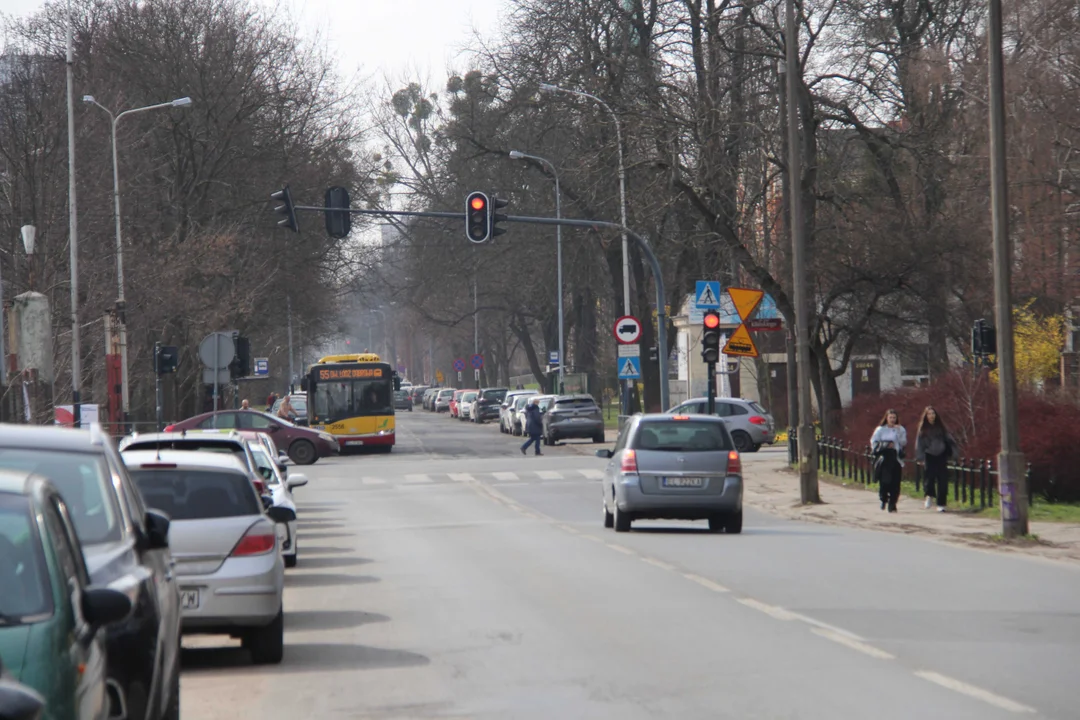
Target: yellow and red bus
352 398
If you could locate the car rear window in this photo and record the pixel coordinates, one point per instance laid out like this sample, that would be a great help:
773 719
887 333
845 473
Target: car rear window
758 409
469 396
195 444
682 436
496 395
24 585
575 403
197 494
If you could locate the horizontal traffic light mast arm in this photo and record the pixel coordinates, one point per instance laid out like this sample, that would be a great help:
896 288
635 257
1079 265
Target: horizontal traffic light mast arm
395 213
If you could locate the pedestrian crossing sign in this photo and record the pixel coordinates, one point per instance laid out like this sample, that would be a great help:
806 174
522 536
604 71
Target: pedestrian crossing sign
629 367
707 295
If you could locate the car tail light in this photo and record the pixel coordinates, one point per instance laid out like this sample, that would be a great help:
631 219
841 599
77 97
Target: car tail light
260 486
759 420
734 463
629 462
680 417
169 428
259 540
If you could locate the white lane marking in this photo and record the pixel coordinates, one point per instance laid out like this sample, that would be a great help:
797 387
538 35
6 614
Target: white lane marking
705 583
372 481
777 612
568 529
972 691
658 563
461 477
825 626
505 476
417 479
592 537
510 484
620 548
593 474
549 475
853 644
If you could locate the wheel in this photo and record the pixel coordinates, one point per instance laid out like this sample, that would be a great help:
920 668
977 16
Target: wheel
757 446
290 561
609 519
172 711
303 452
621 520
717 523
598 438
742 441
267 645
734 523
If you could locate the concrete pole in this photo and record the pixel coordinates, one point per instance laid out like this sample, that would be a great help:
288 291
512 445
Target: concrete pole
1012 469
808 480
73 233
288 317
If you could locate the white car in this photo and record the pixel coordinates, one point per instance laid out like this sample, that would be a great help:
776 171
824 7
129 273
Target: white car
229 566
519 412
506 417
280 488
465 404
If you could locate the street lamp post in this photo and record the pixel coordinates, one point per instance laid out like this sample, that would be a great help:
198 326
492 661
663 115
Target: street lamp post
548 87
121 314
382 317
516 155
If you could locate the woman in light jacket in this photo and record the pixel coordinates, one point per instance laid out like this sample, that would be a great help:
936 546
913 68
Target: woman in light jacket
933 448
888 443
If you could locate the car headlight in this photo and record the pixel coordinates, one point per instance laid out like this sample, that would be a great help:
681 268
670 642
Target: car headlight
326 437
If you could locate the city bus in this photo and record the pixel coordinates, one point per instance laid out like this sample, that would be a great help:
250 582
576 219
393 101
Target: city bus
352 398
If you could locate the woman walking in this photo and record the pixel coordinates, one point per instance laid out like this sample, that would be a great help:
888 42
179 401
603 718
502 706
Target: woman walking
888 443
933 448
534 425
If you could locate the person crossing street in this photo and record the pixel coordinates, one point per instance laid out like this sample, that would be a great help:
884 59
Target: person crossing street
534 425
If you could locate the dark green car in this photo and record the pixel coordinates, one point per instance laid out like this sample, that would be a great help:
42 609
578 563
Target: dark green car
50 617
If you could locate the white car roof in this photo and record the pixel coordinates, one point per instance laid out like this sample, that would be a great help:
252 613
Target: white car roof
225 434
135 459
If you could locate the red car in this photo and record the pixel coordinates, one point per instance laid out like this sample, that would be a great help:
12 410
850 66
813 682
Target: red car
303 445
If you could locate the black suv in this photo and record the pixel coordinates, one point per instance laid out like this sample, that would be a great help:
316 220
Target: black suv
126 548
487 404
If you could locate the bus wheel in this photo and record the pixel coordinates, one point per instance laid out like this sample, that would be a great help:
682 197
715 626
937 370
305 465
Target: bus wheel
302 452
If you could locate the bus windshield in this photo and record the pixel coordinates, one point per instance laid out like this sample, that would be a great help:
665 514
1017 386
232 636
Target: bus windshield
335 400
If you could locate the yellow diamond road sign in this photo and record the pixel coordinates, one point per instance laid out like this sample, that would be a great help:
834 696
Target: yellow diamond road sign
741 343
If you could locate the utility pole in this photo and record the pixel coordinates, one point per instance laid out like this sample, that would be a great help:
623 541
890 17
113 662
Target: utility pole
808 480
73 231
1012 470
288 310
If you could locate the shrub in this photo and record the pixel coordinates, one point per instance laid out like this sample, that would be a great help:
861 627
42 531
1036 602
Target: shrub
1049 426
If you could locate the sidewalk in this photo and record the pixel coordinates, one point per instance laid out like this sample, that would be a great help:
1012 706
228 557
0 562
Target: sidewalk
773 487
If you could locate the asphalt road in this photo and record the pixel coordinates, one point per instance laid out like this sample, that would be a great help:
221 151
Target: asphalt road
455 578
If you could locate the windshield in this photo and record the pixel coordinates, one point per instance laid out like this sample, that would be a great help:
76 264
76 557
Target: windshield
197 494
339 399
519 402
266 467
83 481
469 396
681 436
446 393
25 593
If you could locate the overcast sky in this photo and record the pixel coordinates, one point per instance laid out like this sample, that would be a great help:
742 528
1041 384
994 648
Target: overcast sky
395 38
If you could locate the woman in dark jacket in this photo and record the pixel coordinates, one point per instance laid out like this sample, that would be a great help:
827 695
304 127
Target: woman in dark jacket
534 425
933 448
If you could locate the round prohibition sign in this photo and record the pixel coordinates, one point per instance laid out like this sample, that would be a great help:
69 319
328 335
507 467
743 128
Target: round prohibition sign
459 364
477 361
627 330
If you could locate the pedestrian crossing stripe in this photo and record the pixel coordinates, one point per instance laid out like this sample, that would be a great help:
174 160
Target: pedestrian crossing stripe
453 478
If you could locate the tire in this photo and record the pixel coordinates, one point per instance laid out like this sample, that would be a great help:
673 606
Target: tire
742 441
756 447
267 645
172 710
621 520
733 526
303 452
717 523
609 519
599 438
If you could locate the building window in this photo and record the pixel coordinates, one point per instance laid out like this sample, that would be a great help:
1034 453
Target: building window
915 362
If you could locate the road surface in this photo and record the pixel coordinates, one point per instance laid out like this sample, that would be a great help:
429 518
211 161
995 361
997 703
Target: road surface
455 578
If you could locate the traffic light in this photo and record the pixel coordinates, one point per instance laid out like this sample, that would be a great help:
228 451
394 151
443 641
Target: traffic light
477 217
496 218
338 217
166 359
710 337
288 209
983 339
653 355
241 364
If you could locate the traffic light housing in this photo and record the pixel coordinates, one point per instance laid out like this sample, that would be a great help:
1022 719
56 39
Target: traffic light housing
478 217
288 209
983 339
496 217
338 217
241 364
710 336
166 359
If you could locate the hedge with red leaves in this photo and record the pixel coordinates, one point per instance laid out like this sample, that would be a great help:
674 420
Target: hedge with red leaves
1049 427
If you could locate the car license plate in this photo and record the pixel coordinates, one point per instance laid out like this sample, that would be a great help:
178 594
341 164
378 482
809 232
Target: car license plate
355 442
578 419
683 482
189 599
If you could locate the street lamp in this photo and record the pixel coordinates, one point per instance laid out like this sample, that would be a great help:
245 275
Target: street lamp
548 87
516 155
29 236
120 303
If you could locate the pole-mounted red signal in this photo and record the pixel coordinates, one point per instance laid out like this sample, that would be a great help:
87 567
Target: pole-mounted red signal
477 203
711 321
710 336
477 218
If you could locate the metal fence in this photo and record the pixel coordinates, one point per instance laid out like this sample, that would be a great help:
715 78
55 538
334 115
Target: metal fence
973 482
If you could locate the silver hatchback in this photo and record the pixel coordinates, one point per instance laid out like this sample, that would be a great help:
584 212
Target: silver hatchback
750 425
681 467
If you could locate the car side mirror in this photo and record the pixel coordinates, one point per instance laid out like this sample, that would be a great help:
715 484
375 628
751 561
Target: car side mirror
297 480
606 454
280 514
157 529
102 606
19 702
274 428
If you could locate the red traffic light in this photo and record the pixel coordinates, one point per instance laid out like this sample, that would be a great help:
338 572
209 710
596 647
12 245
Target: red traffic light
477 203
712 321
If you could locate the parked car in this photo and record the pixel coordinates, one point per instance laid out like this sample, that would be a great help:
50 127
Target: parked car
403 400
750 425
416 394
465 404
455 399
573 416
126 548
18 701
299 403
673 467
515 412
228 559
506 407
304 445
429 398
442 399
47 643
542 402
279 484
487 404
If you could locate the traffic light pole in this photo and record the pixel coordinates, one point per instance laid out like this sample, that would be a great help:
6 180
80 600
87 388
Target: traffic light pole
157 387
712 388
